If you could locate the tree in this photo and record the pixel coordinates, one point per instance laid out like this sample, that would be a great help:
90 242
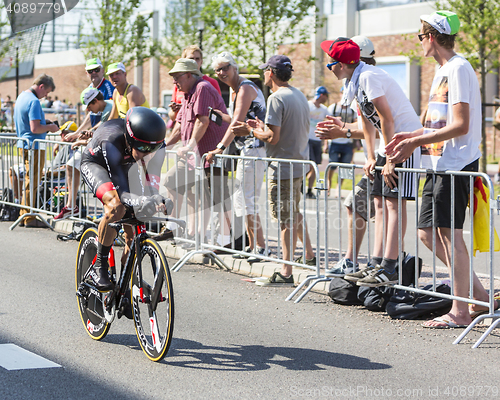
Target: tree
251 30
120 33
479 40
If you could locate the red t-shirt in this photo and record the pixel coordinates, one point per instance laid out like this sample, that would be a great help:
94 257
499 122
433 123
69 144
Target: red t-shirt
177 95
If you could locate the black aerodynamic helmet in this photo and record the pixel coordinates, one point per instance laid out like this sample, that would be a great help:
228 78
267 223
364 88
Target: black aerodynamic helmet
145 129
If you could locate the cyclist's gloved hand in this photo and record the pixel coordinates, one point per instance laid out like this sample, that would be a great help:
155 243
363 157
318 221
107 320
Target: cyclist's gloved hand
169 205
147 207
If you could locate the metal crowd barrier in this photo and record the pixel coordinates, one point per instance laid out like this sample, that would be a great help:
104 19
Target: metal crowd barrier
328 215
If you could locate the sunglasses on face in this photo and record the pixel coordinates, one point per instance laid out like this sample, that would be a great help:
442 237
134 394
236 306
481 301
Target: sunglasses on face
146 147
176 78
421 36
225 68
95 70
331 65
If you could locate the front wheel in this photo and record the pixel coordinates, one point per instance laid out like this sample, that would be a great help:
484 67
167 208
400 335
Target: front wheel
90 301
152 300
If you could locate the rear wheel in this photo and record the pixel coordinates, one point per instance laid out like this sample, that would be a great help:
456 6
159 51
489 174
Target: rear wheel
152 301
90 301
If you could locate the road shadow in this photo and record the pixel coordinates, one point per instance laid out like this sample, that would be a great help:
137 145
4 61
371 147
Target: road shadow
191 354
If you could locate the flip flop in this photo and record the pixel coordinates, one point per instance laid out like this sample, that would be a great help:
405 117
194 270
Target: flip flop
475 314
447 324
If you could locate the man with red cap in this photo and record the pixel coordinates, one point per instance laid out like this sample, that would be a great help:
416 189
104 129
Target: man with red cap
384 108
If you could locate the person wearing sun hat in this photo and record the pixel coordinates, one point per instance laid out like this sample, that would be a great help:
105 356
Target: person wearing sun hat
126 95
384 108
454 101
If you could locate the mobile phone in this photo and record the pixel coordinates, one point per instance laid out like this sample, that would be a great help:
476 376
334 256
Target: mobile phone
214 116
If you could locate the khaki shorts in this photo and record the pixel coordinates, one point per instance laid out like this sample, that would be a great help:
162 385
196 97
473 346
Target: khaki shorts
285 209
360 199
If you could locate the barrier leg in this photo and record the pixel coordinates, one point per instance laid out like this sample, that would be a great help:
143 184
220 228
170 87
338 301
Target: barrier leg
315 278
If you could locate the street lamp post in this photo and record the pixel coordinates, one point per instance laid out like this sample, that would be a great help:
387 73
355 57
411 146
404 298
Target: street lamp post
17 67
201 26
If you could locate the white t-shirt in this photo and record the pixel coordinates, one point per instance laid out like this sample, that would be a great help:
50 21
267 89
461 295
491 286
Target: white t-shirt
375 82
317 114
455 82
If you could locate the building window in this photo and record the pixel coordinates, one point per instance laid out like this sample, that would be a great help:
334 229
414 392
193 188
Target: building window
367 4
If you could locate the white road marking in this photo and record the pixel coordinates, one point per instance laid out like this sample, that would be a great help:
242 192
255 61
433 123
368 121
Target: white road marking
13 357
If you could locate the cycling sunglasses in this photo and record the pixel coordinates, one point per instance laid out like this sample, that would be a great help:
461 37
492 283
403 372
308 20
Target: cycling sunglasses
146 147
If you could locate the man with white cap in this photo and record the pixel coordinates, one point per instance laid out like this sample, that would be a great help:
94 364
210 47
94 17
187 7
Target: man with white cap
126 95
449 140
93 100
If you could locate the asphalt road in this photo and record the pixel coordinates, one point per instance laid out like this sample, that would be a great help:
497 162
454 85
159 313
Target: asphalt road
232 340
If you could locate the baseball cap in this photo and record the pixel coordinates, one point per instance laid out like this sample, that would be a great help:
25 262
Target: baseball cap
69 126
366 48
319 91
115 67
278 62
185 65
93 63
342 49
445 22
88 95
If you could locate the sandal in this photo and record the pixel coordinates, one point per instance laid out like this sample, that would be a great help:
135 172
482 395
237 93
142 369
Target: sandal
277 278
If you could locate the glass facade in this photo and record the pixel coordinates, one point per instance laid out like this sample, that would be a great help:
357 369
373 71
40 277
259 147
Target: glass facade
337 6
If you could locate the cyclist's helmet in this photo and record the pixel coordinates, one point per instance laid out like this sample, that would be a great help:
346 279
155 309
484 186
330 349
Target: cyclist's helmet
145 129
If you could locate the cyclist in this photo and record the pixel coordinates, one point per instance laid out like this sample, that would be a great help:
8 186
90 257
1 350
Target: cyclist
113 162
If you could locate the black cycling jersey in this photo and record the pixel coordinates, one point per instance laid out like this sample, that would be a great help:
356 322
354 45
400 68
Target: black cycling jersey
107 164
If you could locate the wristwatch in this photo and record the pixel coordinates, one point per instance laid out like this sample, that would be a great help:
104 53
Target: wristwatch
348 134
221 147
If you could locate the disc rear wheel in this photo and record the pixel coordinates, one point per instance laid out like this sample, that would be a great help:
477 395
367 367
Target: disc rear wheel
90 301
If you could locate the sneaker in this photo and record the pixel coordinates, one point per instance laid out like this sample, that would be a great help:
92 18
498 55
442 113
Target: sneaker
310 261
66 213
277 278
356 276
344 266
242 256
260 251
379 277
310 195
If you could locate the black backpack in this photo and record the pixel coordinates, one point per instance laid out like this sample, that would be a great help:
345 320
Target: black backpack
8 212
410 305
78 229
344 292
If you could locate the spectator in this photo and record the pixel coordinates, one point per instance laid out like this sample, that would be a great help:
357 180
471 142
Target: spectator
247 102
93 99
192 52
197 133
384 107
126 95
450 140
30 124
334 128
340 150
318 112
285 133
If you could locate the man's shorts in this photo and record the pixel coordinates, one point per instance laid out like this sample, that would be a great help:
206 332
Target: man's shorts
180 177
97 179
408 190
360 199
438 187
282 209
315 151
75 159
340 153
